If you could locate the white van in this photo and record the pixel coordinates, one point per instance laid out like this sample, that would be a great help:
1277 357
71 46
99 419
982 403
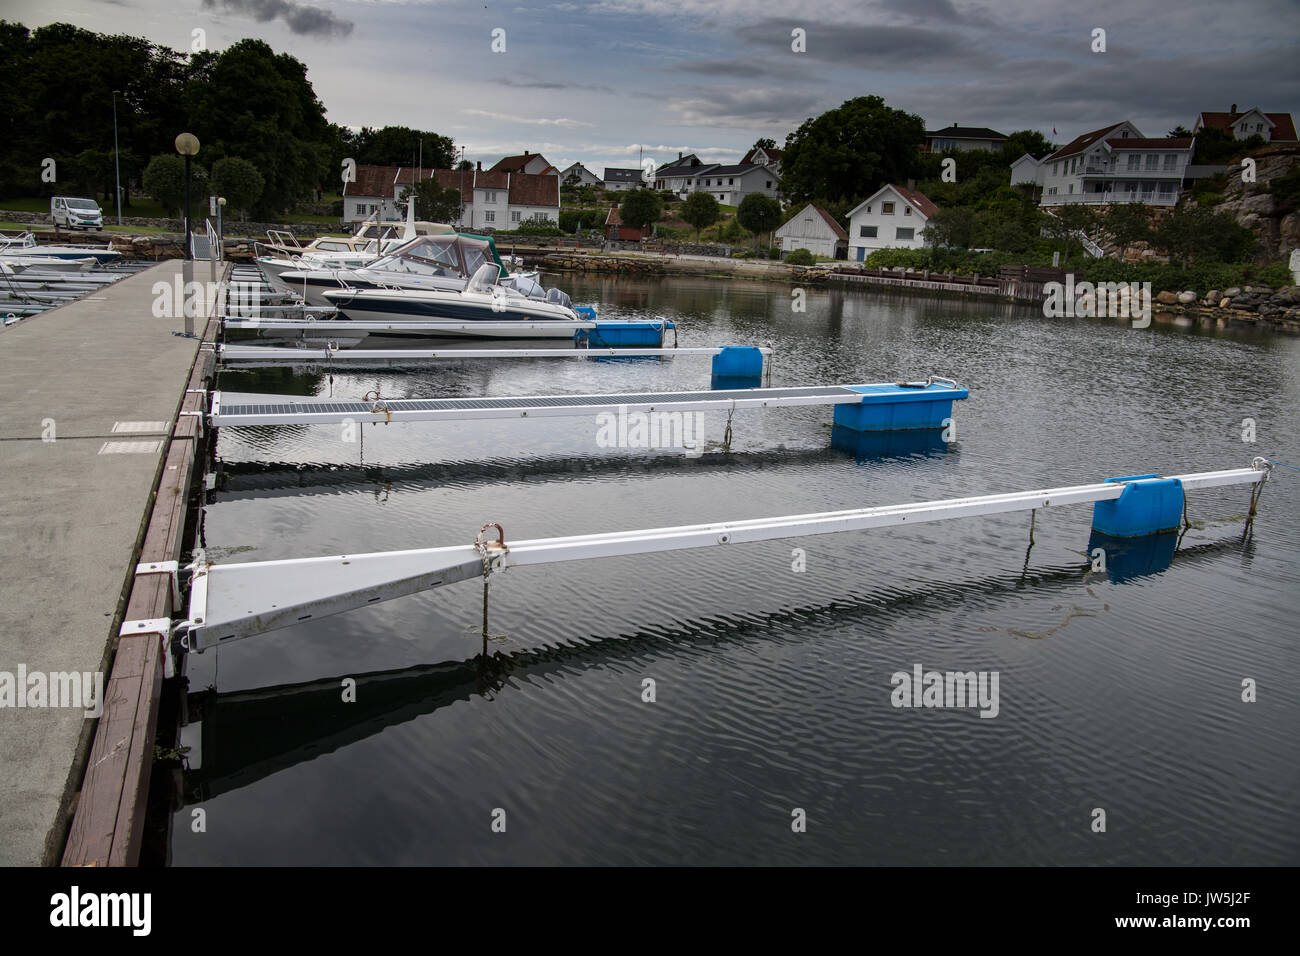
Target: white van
76 213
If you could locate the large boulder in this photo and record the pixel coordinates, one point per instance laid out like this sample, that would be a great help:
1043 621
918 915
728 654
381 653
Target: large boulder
1167 298
1186 298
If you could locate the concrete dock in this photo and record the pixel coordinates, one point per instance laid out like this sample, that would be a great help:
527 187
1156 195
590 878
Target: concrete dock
90 392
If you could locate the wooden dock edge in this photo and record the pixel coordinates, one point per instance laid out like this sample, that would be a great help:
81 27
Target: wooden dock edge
101 819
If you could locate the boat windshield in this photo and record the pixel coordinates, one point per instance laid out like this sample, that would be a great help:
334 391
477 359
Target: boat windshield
445 255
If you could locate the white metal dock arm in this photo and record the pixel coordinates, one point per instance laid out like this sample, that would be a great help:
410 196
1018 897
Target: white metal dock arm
231 601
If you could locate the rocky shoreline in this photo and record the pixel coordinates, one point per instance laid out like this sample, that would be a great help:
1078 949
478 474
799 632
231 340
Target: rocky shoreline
1277 309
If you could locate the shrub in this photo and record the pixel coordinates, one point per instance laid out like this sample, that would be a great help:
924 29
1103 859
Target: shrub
800 257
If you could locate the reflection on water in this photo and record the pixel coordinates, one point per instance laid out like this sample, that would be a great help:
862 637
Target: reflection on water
771 662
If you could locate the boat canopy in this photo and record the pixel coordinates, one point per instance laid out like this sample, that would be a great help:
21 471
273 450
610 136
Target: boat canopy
451 254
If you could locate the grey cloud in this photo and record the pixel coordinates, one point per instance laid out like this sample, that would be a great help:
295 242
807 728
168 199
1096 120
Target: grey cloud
300 18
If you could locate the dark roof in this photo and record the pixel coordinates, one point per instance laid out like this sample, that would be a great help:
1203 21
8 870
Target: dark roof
739 170
683 166
515 163
534 189
917 199
452 178
1081 143
492 178
677 169
1168 142
967 132
773 154
382 181
613 175
1283 126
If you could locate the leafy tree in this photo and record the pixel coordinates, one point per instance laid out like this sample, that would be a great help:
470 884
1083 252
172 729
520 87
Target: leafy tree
701 211
640 208
401 146
164 180
1196 233
759 213
764 143
1216 148
1180 132
952 227
432 202
1124 224
464 164
850 152
239 181
1070 220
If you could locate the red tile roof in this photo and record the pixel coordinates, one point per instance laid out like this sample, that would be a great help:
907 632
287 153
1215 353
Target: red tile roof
452 178
917 199
772 154
515 163
613 219
534 189
381 181
1168 142
1283 125
1081 143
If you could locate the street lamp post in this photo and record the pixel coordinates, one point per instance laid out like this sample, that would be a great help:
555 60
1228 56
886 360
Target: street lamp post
117 163
221 210
187 144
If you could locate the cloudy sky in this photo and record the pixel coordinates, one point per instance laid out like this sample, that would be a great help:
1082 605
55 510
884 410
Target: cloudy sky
606 81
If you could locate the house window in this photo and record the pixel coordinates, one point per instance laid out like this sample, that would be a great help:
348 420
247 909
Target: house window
1166 190
905 235
539 217
1072 187
866 232
886 209
907 210
489 216
1171 161
514 216
731 182
768 184
1134 161
490 197
1153 161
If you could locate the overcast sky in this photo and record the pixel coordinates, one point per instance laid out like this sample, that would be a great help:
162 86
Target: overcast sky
598 82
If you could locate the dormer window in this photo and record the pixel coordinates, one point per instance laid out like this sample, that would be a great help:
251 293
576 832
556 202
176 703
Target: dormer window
886 209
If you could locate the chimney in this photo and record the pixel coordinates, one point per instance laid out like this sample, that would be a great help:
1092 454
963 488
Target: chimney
480 166
911 185
1233 111
679 154
525 152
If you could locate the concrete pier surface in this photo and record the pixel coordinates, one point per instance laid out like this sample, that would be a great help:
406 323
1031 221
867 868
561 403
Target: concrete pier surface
89 392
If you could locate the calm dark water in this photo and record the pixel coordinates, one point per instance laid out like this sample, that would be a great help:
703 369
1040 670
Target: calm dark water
774 687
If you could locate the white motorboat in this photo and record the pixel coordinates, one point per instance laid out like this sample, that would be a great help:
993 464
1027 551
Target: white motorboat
487 297
25 245
13 265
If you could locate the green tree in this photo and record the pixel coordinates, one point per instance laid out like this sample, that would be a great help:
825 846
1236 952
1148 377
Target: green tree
1070 221
640 208
1124 224
952 227
1196 233
764 143
432 202
850 152
401 146
239 181
759 213
164 180
700 210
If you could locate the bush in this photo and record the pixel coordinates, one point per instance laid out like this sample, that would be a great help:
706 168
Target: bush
538 227
800 257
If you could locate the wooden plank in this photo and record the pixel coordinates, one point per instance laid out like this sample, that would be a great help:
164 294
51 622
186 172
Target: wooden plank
128 831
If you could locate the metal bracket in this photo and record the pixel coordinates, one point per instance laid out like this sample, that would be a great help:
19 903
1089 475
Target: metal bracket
200 416
161 626
171 568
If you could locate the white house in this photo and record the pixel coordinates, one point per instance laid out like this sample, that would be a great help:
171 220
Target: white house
585 176
1274 127
730 184
1115 164
963 139
814 229
759 171
890 218
1024 171
501 200
618 180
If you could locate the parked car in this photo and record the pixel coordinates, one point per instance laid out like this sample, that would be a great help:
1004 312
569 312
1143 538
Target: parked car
74 212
